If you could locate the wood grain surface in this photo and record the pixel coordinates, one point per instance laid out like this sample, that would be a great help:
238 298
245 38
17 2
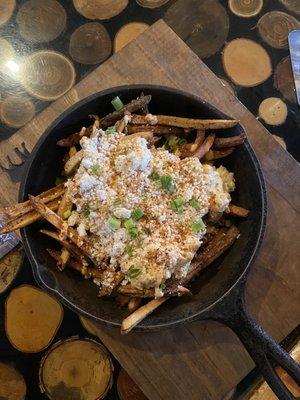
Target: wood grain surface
201 360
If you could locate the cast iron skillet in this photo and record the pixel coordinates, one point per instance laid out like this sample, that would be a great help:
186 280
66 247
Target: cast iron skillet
219 291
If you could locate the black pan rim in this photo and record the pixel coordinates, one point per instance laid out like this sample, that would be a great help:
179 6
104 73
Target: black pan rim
144 328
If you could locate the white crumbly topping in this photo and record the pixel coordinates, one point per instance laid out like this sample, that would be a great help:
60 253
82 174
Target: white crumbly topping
118 180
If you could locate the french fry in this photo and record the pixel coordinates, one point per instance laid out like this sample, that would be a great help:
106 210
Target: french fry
72 151
130 291
74 250
62 226
141 313
74 139
72 164
205 146
23 208
64 258
217 246
148 135
223 142
157 130
212 155
26 219
180 122
134 303
122 300
236 211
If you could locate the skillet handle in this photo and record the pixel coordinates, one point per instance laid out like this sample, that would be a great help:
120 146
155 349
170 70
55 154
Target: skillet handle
261 347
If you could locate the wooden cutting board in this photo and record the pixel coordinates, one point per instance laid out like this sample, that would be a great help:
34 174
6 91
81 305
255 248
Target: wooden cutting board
201 360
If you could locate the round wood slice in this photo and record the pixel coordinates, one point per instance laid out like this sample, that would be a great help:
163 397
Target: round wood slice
151 3
273 111
128 389
284 79
47 74
274 28
245 8
77 369
41 21
12 383
292 5
32 318
90 44
7 53
280 140
6 10
16 111
246 62
127 33
9 268
88 326
100 9
203 25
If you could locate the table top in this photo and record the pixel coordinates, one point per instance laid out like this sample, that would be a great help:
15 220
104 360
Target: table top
264 90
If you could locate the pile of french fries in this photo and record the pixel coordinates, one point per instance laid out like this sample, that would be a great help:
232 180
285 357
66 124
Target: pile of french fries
76 253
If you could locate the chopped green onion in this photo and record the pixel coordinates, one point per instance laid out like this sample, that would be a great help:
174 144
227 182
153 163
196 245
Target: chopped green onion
129 250
167 183
111 130
137 214
134 233
162 286
133 272
67 214
129 223
198 225
96 169
117 103
174 141
114 223
117 202
59 180
195 204
177 205
154 176
86 211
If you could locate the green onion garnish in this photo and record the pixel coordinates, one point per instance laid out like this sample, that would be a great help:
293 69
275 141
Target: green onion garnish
133 272
198 225
154 176
117 202
177 205
137 214
114 223
174 141
86 211
167 183
129 250
195 204
96 169
117 103
129 223
110 130
67 214
134 233
162 286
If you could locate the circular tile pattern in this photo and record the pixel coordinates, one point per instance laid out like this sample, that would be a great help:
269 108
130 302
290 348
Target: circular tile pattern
41 21
151 3
246 62
6 10
47 75
16 111
7 53
273 111
284 79
203 25
127 33
90 44
100 9
245 8
76 369
292 5
12 383
274 28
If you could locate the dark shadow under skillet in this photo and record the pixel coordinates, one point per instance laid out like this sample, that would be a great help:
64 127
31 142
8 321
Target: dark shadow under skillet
219 290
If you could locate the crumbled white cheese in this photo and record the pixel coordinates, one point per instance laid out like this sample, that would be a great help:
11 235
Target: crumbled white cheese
81 230
121 212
